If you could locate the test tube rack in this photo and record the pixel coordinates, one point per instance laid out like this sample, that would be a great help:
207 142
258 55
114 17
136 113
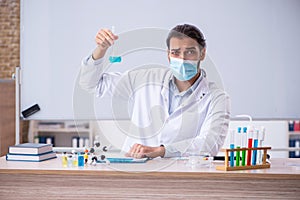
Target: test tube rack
261 165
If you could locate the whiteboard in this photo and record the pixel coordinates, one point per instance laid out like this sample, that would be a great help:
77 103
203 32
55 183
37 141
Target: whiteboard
252 50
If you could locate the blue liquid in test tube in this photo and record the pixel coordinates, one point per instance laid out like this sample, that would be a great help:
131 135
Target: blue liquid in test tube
232 147
112 58
255 145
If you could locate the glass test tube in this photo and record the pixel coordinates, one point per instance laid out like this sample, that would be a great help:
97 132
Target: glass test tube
238 146
261 138
113 58
255 145
244 145
232 147
250 141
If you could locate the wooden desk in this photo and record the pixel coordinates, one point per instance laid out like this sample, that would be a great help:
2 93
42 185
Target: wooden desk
156 179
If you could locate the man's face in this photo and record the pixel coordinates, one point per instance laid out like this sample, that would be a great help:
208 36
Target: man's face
184 48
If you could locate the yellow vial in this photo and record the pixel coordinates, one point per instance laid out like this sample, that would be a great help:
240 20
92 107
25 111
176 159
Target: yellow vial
64 160
75 160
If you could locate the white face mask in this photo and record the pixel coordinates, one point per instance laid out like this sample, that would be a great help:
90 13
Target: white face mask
183 70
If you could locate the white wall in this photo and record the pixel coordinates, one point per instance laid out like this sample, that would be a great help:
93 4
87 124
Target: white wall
276 134
253 44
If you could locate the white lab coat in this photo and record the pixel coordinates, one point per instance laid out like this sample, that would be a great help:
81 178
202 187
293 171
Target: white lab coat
200 122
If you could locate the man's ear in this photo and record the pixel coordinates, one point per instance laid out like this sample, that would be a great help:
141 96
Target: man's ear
168 54
202 54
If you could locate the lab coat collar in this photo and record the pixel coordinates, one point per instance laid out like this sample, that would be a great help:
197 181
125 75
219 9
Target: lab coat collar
199 92
165 86
189 90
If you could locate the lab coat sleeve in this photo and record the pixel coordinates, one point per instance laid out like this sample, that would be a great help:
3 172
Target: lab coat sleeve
212 133
94 79
215 127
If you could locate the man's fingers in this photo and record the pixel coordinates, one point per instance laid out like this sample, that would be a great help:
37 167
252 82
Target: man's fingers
100 41
141 151
108 37
105 38
111 34
132 150
137 151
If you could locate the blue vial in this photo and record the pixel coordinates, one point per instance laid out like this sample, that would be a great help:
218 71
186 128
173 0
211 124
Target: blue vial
114 59
80 160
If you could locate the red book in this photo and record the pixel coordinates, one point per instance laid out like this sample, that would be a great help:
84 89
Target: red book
297 125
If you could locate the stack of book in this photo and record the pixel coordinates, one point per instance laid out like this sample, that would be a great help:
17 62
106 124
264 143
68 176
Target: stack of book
30 152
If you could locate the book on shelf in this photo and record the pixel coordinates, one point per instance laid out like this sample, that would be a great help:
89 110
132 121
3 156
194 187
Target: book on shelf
30 148
44 139
72 124
31 157
50 125
294 142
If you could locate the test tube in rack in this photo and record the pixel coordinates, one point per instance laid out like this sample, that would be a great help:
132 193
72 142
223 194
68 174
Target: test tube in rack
255 145
244 145
250 141
232 147
238 146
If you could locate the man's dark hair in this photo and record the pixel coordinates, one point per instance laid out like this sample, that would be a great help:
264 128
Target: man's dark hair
187 30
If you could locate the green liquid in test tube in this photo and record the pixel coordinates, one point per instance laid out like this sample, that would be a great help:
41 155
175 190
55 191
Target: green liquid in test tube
238 145
113 58
244 145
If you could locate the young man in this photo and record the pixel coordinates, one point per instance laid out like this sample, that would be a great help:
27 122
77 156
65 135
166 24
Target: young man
172 109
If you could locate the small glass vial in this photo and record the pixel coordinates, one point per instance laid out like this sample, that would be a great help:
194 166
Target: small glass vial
64 159
80 160
70 160
75 160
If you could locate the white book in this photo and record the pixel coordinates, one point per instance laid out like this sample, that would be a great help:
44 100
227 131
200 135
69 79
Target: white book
30 148
31 158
